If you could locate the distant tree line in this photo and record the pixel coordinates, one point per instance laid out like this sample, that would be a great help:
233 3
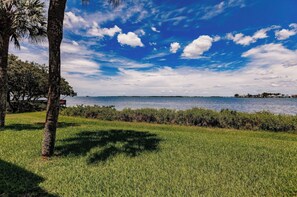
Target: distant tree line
27 84
266 95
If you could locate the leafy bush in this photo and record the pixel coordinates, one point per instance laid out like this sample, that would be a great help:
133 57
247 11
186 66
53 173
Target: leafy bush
192 117
96 112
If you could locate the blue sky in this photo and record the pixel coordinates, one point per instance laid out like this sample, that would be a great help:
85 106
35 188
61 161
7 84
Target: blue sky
190 48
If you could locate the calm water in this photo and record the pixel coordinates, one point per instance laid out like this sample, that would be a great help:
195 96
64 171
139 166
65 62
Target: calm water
283 106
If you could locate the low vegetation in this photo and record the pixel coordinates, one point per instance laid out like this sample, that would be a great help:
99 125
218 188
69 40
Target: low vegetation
103 158
193 117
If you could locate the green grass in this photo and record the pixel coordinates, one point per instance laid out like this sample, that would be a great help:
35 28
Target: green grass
101 158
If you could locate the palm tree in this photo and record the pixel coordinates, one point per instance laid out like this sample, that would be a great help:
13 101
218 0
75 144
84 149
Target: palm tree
55 35
18 19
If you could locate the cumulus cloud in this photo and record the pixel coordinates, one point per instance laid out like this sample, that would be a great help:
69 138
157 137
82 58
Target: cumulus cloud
130 39
272 54
101 32
72 20
240 39
286 33
155 29
174 47
244 40
196 48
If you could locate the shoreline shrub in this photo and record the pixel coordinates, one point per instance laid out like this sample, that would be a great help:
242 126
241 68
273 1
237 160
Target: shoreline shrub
191 117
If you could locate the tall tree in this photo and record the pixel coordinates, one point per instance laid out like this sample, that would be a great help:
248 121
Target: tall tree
18 19
56 13
55 35
27 83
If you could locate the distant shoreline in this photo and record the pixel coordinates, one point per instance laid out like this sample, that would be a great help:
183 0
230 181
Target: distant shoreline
164 96
181 97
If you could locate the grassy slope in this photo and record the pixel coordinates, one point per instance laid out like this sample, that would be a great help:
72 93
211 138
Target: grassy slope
95 159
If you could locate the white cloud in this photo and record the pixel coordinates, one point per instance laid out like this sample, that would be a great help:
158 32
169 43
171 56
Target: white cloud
261 34
78 59
101 32
71 21
71 47
75 58
293 25
216 38
215 10
130 39
140 32
271 54
136 9
80 65
286 33
196 48
174 47
155 29
120 62
241 39
272 67
74 43
244 40
156 55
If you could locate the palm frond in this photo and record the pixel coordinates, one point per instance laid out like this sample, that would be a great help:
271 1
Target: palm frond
23 19
15 40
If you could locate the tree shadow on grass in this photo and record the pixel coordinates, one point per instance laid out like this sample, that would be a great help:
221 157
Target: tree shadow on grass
37 126
15 181
108 144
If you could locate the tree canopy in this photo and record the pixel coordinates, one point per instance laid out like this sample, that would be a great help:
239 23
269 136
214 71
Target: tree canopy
28 82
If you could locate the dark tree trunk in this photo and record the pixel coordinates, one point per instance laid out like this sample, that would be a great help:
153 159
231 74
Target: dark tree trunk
4 44
55 36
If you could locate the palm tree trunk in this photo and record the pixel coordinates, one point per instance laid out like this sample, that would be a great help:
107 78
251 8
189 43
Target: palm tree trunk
4 45
55 36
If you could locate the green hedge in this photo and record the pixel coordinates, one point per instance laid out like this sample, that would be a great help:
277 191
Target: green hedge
192 117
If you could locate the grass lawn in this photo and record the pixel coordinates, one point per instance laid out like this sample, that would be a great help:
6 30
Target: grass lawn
100 158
